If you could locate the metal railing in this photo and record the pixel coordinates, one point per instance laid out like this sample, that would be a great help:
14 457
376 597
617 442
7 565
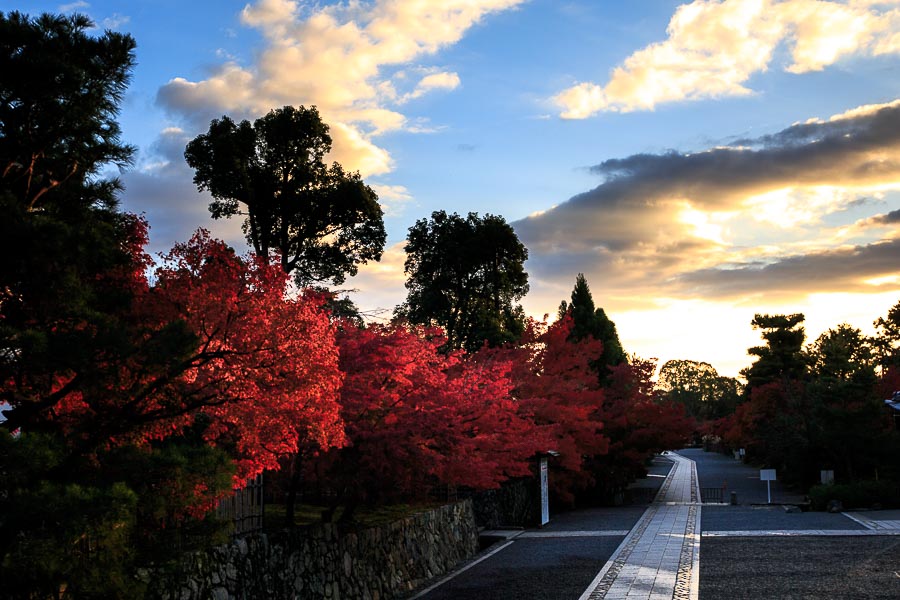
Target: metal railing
712 495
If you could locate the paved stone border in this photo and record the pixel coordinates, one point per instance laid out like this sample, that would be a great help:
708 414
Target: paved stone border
667 483
870 523
695 482
605 578
685 581
695 580
565 534
802 533
860 519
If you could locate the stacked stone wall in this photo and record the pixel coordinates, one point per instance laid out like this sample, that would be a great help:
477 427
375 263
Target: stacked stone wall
327 561
515 503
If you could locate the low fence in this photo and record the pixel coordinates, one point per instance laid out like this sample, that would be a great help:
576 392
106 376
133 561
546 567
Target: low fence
714 495
245 508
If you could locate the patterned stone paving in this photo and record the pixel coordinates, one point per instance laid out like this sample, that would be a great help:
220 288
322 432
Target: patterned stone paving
576 533
659 559
871 521
802 533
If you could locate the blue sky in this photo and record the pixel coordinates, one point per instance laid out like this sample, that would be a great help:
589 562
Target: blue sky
699 162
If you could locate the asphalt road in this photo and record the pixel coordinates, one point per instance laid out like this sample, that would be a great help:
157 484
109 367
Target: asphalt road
550 568
761 518
542 569
785 567
561 567
717 470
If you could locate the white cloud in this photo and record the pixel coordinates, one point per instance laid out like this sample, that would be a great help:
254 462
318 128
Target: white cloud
64 8
392 197
115 21
381 285
713 48
859 111
337 57
434 81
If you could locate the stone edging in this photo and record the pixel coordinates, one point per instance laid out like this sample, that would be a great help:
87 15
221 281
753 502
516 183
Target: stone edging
622 554
686 560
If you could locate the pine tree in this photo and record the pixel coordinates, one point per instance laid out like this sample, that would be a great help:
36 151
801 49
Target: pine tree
589 321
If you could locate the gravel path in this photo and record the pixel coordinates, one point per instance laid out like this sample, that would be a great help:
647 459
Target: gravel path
802 567
745 518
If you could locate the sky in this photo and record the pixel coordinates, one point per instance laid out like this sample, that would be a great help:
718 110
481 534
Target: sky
699 162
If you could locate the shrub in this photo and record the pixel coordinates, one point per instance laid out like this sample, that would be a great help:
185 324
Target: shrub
862 494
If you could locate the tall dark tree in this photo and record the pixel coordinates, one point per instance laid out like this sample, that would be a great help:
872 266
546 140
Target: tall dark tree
467 276
782 358
589 321
66 251
59 97
841 354
80 499
322 221
852 435
886 342
59 94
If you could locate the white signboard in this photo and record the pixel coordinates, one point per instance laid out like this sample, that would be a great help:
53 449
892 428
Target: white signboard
767 475
545 494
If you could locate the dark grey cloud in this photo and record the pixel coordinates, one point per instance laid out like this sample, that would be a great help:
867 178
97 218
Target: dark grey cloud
888 219
848 150
835 270
165 193
634 230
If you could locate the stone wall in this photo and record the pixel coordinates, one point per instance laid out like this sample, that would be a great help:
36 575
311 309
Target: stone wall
515 503
327 561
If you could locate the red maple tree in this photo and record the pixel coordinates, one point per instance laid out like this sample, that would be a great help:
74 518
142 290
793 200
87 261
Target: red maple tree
555 387
212 336
638 425
416 418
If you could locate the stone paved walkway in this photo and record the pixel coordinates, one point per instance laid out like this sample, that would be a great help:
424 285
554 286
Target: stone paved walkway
877 521
659 559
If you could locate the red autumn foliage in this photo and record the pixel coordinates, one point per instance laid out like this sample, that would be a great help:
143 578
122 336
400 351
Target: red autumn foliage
269 361
637 425
751 419
416 417
889 383
556 388
261 368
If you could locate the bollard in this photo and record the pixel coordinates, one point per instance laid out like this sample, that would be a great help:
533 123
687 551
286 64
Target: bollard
734 498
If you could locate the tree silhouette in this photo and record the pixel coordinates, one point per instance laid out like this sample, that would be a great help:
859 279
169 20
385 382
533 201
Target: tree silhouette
322 222
589 321
466 275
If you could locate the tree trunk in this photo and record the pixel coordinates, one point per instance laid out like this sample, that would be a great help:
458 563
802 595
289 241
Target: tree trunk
293 488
